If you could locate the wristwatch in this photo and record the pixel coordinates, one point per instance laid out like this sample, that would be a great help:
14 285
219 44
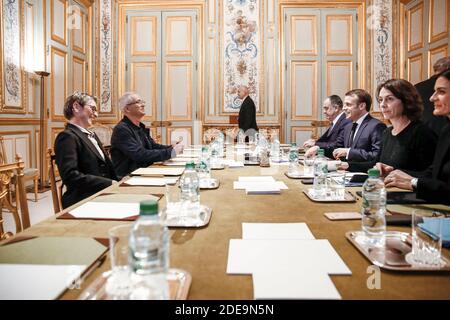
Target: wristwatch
414 183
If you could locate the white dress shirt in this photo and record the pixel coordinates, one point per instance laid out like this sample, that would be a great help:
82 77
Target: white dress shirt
92 139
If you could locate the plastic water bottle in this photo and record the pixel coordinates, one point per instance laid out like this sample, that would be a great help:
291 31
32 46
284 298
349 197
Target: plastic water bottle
320 175
293 159
275 150
204 165
374 209
190 187
149 254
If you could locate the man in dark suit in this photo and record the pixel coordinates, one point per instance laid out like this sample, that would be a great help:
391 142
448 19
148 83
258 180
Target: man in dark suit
131 144
433 184
82 163
426 89
247 113
361 140
332 109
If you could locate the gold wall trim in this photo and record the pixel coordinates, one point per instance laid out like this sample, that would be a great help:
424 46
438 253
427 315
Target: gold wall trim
170 129
411 60
168 85
18 121
333 63
28 139
198 5
293 31
81 49
294 129
54 36
81 62
347 18
443 48
152 65
294 115
168 27
55 51
363 76
418 7
134 32
436 37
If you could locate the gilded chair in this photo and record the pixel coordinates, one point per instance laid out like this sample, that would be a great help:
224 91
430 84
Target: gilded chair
29 173
19 210
52 172
104 134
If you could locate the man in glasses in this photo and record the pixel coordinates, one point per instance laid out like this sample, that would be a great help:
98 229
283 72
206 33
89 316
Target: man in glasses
131 144
332 109
83 165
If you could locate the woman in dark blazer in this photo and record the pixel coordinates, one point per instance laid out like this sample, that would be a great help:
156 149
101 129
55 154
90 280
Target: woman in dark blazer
84 166
433 184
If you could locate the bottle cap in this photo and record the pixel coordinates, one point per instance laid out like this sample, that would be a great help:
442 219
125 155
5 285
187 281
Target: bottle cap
373 173
320 152
190 165
293 144
204 149
148 208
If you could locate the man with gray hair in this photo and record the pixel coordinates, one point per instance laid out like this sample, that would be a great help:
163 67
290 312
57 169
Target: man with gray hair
332 109
247 112
426 90
131 144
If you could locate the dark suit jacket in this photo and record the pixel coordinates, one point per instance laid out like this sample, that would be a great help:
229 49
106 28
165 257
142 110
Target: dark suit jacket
326 139
247 115
426 90
434 183
82 169
132 148
366 145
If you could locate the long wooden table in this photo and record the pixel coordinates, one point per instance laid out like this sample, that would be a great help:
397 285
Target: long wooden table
203 252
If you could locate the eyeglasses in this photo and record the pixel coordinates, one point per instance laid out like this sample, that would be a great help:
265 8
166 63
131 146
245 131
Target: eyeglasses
93 108
142 102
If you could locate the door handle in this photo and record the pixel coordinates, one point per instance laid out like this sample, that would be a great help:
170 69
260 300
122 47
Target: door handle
162 123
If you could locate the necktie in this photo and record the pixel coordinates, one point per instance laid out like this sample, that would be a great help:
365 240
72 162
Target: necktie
330 128
352 133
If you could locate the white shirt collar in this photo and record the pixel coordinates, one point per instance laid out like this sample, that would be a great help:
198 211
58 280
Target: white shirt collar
82 129
360 120
337 118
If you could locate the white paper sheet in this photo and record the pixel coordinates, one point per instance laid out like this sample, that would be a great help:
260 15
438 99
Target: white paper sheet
235 164
148 181
247 256
106 210
299 231
237 185
183 159
37 282
287 283
158 171
175 164
263 189
256 179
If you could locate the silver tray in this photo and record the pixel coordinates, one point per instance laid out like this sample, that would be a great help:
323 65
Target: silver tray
348 197
298 176
394 255
179 284
209 184
200 219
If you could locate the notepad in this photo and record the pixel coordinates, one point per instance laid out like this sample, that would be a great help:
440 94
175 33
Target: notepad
37 282
106 210
246 256
276 231
158 171
256 179
286 283
149 181
263 189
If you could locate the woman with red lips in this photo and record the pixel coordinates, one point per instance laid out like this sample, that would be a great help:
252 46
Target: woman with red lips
433 184
408 144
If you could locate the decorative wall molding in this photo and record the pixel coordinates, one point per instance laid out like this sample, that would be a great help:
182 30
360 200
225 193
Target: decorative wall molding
105 75
13 78
241 51
382 39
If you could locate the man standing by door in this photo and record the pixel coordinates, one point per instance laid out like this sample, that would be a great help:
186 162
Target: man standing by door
247 113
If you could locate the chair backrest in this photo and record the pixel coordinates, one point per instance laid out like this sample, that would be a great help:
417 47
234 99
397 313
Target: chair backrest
56 192
19 210
2 151
103 132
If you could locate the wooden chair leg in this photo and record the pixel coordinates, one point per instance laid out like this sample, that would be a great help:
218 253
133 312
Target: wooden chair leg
36 183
